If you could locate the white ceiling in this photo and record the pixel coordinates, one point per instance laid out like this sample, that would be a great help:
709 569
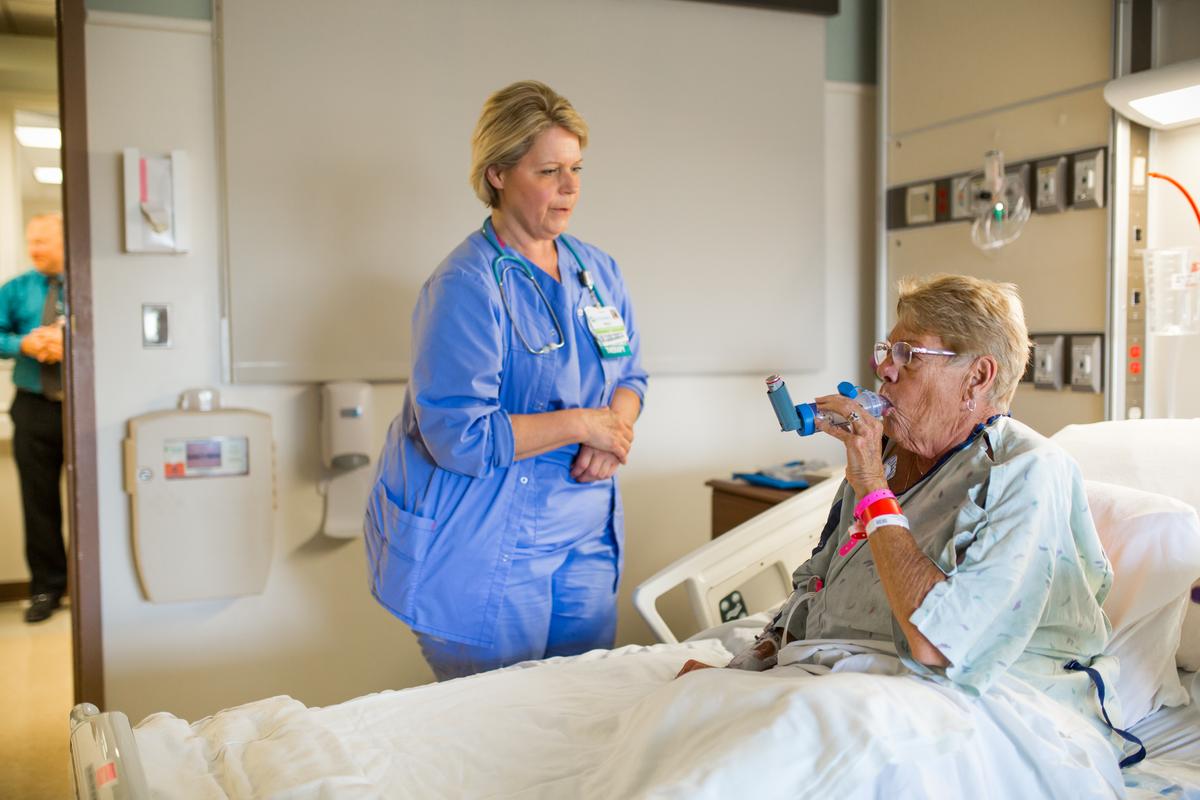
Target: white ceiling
33 194
27 17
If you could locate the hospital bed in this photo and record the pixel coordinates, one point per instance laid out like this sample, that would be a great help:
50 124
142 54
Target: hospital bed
615 724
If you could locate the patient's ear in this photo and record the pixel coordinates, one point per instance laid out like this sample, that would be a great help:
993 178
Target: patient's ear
981 376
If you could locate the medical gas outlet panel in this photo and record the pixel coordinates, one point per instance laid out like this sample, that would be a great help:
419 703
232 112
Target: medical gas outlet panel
201 485
1053 184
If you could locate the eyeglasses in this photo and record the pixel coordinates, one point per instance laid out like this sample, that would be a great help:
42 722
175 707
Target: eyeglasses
902 353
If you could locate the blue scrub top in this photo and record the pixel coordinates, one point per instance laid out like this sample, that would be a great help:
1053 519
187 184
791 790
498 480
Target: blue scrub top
450 507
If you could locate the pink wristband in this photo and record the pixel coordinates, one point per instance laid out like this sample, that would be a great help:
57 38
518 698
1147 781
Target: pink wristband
878 494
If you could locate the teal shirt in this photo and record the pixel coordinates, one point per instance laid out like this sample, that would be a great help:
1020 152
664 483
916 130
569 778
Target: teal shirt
21 302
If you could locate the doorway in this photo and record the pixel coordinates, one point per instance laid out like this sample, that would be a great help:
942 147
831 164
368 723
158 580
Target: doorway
49 664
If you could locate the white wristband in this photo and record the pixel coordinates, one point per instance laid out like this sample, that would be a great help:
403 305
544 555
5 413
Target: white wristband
886 519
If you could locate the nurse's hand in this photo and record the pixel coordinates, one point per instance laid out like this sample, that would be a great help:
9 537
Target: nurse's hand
604 429
593 465
864 443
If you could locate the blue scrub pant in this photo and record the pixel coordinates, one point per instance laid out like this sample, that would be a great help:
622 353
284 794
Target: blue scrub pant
555 604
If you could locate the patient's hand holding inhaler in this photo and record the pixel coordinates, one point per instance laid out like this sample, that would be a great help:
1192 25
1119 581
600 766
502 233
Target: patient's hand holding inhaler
764 652
803 418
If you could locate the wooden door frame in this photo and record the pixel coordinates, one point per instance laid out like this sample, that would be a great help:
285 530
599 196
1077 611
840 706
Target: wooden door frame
79 409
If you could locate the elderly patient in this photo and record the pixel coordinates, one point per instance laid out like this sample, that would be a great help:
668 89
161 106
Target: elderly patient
987 559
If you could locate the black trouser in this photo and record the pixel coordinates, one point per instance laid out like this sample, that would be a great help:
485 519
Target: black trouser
38 449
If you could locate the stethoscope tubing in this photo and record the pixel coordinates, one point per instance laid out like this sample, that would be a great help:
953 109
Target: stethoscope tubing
499 271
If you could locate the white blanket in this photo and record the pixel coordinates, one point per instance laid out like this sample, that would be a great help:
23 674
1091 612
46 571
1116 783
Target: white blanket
614 724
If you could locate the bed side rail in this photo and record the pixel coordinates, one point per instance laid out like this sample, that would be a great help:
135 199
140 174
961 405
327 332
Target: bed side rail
756 559
105 764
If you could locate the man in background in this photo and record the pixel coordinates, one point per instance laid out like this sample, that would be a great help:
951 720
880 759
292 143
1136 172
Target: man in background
31 331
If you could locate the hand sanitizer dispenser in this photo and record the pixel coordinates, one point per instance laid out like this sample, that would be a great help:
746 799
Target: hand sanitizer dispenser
346 449
345 425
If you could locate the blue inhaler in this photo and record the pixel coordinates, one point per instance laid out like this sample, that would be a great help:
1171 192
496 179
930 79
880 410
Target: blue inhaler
803 418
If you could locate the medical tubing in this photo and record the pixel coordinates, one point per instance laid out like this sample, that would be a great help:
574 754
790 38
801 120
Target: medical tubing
1178 186
787 623
865 503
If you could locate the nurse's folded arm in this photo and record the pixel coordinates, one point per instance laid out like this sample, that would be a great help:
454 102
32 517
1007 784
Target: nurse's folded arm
592 464
600 428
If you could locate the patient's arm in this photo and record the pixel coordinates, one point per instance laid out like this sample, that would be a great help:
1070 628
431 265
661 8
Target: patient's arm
907 575
759 656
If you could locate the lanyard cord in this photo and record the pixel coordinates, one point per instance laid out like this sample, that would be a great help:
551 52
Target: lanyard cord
585 277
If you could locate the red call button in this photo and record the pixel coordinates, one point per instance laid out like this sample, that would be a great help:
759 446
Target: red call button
1135 367
1135 351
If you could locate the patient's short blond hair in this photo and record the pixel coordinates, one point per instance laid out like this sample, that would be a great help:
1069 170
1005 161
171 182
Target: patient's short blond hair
973 317
512 118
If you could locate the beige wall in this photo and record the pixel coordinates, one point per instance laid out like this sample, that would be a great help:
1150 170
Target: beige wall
964 78
315 633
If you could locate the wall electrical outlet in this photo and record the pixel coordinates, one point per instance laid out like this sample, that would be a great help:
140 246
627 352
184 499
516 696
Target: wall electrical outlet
1051 185
1089 180
1048 361
1087 363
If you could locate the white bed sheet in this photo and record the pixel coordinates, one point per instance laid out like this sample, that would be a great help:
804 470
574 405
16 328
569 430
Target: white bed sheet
1175 732
615 724
1172 739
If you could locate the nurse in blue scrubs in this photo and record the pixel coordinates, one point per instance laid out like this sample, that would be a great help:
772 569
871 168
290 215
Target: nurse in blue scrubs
495 528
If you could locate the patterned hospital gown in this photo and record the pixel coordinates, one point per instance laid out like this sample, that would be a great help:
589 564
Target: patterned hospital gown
1025 572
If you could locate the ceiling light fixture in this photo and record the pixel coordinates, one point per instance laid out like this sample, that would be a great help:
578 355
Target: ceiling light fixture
48 174
39 137
1163 98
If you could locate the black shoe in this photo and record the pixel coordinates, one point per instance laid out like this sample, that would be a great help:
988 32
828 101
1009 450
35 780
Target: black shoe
41 607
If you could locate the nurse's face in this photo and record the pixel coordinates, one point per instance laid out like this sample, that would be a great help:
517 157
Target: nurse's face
539 192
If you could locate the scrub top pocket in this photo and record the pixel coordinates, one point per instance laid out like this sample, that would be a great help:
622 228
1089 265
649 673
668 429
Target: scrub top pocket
401 542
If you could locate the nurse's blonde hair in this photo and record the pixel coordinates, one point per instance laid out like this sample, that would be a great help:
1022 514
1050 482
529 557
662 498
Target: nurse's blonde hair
973 317
511 119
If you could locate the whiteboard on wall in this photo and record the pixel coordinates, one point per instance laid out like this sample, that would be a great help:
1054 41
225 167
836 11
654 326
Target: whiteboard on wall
347 147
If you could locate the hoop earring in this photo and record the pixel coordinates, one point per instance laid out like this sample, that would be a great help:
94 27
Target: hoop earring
970 404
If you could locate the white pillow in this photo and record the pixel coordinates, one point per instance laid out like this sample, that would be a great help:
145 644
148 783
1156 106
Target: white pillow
1153 543
1156 455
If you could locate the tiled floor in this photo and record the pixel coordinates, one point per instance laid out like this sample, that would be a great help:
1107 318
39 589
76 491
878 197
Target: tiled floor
35 699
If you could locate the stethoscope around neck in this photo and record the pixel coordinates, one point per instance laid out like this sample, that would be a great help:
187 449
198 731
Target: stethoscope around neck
504 263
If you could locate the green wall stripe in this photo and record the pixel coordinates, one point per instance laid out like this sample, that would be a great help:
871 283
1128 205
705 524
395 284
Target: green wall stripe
182 9
850 43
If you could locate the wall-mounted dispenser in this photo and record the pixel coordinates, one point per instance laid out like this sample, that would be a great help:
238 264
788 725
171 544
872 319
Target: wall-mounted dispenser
201 485
346 449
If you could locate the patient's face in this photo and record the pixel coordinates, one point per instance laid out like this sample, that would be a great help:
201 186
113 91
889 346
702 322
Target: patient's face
926 393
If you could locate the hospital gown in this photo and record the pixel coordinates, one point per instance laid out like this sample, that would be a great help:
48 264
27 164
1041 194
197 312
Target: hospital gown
1025 572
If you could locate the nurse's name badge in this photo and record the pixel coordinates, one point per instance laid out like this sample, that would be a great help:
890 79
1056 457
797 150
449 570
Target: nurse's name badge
608 329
